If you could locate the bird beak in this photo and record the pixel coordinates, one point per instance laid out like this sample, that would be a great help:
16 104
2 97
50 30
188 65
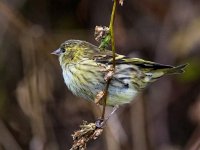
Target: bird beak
56 52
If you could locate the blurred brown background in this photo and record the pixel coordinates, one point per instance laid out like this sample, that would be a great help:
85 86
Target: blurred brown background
37 112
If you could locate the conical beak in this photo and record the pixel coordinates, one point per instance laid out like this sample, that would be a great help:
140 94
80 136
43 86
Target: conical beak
56 52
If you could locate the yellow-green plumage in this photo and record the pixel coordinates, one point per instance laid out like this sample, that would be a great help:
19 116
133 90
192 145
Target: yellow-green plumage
84 68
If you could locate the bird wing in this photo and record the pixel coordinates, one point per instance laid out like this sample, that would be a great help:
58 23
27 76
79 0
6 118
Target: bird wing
149 69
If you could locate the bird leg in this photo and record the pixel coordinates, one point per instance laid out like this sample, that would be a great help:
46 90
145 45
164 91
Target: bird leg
101 122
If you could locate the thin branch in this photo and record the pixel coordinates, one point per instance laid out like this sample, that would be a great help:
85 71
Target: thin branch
90 131
111 28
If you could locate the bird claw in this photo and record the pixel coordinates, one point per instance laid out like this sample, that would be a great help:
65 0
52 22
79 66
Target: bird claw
100 123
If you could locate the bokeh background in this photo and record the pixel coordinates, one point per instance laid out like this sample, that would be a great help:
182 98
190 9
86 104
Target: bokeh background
37 112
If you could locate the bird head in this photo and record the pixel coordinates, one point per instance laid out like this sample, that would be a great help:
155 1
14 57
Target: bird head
68 51
72 51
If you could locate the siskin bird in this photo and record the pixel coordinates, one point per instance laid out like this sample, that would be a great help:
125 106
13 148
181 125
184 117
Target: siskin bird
84 68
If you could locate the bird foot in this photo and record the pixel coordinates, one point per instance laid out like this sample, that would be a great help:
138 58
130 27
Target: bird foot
101 122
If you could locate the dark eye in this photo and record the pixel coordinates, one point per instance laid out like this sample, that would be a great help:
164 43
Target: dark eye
62 50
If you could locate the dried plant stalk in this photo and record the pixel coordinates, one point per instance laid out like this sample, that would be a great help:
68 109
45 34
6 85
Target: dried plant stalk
88 131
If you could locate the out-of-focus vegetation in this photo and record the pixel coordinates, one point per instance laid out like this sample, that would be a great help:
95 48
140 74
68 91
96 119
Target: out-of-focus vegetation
38 112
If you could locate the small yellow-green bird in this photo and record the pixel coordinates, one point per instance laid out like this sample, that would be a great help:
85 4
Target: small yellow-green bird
84 69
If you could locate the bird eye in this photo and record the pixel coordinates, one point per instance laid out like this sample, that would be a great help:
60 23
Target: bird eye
62 50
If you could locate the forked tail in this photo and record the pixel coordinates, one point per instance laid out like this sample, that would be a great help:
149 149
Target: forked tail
176 70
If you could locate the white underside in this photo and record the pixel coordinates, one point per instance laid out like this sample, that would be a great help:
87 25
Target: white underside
117 96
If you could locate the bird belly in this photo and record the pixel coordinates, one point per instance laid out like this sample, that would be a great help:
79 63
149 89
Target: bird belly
85 85
120 96
88 86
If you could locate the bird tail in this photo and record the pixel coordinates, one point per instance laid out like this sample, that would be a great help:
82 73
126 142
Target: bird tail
175 70
155 70
167 70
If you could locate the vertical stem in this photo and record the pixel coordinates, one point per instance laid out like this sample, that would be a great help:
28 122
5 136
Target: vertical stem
105 98
111 28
